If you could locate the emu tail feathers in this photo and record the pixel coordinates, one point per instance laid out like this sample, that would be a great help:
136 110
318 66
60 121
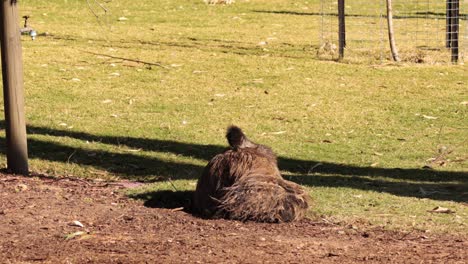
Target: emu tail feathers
263 199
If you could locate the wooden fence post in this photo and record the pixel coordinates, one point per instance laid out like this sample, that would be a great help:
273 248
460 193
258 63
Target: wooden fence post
391 34
341 28
12 70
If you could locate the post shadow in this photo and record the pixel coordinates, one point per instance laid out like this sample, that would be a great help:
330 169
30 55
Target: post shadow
297 166
444 185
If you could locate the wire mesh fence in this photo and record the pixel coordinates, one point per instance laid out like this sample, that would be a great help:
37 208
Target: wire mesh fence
424 31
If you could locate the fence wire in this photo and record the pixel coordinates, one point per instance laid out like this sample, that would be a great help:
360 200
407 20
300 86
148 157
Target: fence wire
425 31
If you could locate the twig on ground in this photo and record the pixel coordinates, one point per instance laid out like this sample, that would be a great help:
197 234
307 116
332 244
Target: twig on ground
127 59
173 186
71 155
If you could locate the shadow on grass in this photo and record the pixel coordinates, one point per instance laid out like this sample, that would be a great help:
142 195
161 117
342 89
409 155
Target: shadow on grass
419 15
166 199
282 49
435 191
433 184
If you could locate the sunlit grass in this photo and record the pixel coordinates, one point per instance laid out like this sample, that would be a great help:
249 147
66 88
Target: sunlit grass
356 135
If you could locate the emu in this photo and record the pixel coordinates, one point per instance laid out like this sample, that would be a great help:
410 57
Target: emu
244 183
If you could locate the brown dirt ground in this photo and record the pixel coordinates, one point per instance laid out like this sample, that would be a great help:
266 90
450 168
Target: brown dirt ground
36 215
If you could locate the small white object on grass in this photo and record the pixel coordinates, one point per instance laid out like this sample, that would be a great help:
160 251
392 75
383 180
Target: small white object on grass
76 223
429 117
441 210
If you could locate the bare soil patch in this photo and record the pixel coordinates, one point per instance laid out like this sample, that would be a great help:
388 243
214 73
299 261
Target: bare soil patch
37 215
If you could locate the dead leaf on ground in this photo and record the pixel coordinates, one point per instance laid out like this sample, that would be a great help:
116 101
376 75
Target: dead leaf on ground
278 132
441 210
21 187
84 237
131 63
73 235
131 184
458 159
76 223
429 117
133 150
177 209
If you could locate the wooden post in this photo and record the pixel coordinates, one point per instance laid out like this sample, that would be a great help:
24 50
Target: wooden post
454 29
12 70
391 35
341 28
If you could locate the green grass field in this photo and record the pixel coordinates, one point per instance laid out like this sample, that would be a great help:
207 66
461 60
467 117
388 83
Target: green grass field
146 91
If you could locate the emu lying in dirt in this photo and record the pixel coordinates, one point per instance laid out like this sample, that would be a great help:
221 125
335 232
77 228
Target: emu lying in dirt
244 183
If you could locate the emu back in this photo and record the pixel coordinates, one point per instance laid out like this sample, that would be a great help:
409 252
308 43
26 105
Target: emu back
244 183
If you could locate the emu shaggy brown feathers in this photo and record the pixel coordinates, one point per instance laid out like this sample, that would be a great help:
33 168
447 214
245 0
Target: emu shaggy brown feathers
244 183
